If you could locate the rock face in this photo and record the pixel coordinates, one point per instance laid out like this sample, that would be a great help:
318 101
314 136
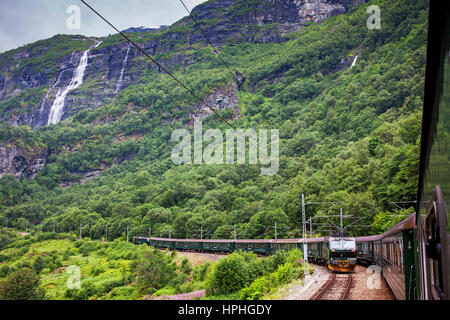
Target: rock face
231 21
19 163
219 99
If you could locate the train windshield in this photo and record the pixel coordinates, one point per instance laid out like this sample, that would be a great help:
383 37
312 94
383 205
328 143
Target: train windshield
342 244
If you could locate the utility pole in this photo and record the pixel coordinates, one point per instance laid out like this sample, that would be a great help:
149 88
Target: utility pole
275 231
6 223
54 226
234 232
80 230
106 233
201 232
150 232
342 226
305 246
128 233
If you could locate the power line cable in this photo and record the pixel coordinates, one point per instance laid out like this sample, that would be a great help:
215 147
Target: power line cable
168 73
233 72
159 65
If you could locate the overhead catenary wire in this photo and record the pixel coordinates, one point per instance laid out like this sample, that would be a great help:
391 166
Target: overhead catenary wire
189 90
232 71
159 65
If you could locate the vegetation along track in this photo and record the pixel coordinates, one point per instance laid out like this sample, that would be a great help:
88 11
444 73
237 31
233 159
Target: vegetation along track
336 288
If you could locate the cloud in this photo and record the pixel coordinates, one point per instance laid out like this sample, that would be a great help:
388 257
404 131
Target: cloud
25 21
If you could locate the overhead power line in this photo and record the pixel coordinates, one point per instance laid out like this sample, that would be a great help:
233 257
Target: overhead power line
232 71
189 90
159 65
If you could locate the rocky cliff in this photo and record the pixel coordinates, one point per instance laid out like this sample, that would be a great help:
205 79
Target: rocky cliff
20 163
31 76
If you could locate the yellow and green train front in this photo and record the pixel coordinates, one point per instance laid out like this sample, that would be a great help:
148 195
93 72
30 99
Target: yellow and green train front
342 260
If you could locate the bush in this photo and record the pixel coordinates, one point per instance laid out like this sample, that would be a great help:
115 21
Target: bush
155 270
186 266
109 285
258 288
97 270
231 274
284 274
4 270
39 264
294 256
21 285
88 290
199 273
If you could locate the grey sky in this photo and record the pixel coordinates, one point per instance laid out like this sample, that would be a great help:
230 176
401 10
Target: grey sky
26 21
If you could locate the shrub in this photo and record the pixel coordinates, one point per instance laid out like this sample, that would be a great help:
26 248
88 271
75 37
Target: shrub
230 274
109 285
4 270
155 270
294 256
21 285
186 266
284 274
199 273
38 264
260 287
97 270
88 290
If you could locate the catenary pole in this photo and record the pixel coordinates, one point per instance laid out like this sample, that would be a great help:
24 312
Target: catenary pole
305 247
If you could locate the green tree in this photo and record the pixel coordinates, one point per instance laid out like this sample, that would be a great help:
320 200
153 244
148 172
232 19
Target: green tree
21 285
155 270
38 264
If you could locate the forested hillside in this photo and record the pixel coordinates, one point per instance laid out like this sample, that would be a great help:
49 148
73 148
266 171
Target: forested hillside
347 101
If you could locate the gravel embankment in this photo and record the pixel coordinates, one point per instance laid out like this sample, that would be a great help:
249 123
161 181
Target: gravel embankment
310 286
361 287
359 290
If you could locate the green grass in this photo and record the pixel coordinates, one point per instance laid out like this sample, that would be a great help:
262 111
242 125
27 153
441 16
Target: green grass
98 267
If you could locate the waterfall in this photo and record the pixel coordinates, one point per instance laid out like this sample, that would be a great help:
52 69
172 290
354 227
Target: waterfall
354 62
48 92
56 111
120 81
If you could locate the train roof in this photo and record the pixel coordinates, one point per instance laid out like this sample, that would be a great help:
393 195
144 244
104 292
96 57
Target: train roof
406 224
292 240
313 240
368 238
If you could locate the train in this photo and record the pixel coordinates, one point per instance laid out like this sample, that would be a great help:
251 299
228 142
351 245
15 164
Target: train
393 254
414 255
338 253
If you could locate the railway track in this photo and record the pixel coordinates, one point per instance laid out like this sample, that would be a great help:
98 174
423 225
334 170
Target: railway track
336 288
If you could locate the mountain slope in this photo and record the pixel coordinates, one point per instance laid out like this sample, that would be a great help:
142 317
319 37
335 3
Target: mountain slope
348 133
42 69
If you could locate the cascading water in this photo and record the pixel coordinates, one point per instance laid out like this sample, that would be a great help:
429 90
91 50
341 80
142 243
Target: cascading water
49 90
56 111
120 81
354 62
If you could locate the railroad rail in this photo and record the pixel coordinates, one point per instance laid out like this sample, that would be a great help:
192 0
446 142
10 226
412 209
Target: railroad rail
336 288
